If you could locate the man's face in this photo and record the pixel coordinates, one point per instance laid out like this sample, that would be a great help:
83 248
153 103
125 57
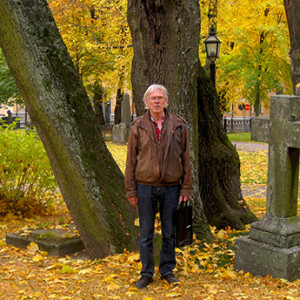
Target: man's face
156 102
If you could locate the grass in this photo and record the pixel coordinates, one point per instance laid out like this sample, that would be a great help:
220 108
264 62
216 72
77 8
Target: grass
240 136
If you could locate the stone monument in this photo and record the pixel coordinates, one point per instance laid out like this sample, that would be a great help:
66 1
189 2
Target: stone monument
125 111
107 112
273 244
120 131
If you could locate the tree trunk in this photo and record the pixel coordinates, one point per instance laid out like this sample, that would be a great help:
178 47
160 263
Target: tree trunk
118 108
219 165
166 39
292 9
257 98
98 101
90 180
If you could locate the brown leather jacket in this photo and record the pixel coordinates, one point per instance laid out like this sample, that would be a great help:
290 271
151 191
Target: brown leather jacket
158 164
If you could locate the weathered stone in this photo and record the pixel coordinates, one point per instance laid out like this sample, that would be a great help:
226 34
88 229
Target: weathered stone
278 233
260 129
120 134
53 241
264 259
107 112
120 131
125 113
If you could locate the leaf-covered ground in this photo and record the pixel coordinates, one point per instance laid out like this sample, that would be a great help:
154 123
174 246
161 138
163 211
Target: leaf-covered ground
205 270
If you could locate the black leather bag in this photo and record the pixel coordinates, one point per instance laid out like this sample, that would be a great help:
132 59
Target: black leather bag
184 225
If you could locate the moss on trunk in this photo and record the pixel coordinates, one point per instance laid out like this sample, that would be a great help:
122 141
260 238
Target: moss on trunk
292 9
219 166
89 179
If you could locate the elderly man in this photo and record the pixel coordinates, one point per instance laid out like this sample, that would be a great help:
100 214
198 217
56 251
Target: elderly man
157 170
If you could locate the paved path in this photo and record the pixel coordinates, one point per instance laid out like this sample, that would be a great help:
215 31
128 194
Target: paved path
250 147
254 189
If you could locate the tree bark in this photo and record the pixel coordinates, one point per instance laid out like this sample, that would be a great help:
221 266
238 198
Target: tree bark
219 165
292 9
90 180
98 101
166 39
118 108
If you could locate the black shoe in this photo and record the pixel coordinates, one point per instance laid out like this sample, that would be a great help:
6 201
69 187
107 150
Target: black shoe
170 278
143 282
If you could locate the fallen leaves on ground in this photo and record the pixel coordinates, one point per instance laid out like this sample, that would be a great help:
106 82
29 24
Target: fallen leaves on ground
206 270
254 166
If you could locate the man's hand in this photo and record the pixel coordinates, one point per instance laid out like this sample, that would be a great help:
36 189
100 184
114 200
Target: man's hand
184 198
133 200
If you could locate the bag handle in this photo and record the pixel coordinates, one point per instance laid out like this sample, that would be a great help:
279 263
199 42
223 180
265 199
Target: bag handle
182 204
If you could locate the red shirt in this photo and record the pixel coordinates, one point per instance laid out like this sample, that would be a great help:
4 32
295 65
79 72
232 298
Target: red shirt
158 130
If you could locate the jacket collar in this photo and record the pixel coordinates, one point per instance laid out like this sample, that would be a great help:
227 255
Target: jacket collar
171 122
170 119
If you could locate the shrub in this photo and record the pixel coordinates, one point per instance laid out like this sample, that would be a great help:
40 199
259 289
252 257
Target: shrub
27 183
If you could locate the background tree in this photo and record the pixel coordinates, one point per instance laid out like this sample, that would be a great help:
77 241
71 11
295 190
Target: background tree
89 179
9 92
98 92
97 37
118 108
254 55
292 9
165 38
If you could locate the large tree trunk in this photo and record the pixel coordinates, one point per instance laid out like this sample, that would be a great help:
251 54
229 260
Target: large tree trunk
166 39
118 108
219 165
90 180
292 9
98 101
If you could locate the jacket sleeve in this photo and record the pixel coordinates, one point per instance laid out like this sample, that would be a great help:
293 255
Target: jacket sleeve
187 181
131 161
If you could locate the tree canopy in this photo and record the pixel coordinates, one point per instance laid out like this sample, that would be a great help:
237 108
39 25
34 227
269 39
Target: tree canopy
98 39
254 57
9 92
253 60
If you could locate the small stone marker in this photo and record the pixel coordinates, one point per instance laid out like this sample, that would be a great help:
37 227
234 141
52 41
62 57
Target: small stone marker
54 241
273 244
259 128
107 112
120 131
125 112
120 134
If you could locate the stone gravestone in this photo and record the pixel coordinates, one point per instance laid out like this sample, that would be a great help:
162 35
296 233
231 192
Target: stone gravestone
259 127
107 112
125 112
273 244
62 241
120 131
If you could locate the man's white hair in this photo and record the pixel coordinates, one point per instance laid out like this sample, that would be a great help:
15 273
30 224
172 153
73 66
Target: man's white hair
152 88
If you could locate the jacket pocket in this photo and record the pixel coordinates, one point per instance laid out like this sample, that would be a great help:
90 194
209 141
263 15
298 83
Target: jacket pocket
173 167
173 171
147 168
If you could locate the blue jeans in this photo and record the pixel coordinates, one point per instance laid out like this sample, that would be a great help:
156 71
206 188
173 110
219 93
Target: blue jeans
148 197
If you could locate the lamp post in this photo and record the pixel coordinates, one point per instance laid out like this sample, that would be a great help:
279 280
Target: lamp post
212 47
